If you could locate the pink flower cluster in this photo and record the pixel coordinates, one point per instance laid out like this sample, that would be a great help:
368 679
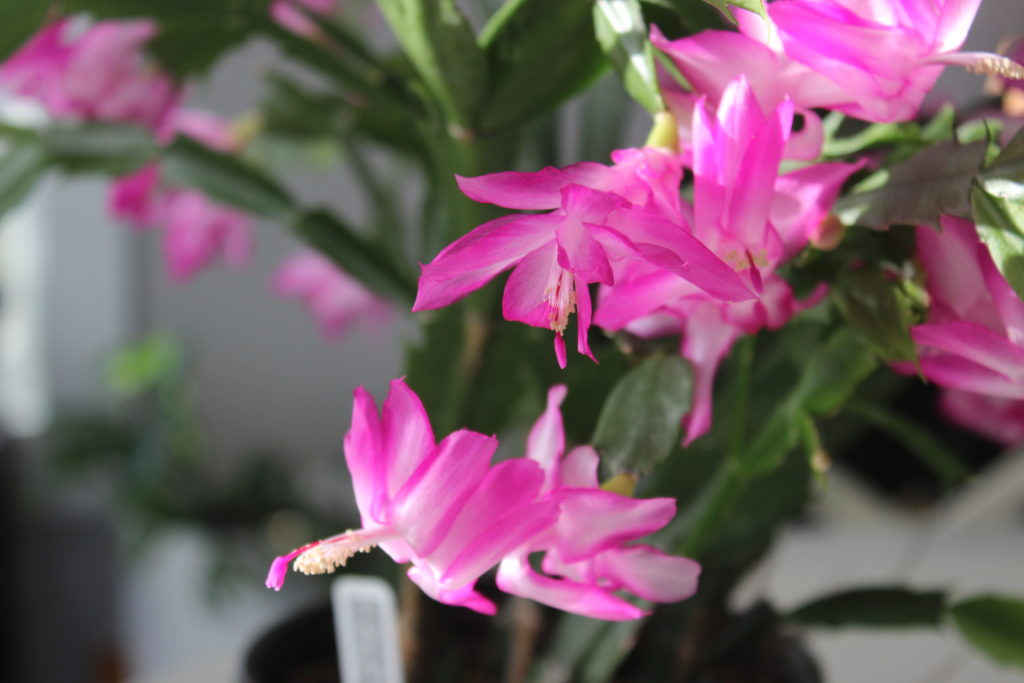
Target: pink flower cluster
706 268
444 508
973 342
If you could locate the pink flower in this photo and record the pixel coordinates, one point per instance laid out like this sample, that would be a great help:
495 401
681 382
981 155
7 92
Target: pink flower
590 553
99 73
747 214
285 13
868 59
602 216
442 507
446 510
197 230
974 337
998 419
334 299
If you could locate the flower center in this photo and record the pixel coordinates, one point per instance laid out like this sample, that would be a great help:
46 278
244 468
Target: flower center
560 296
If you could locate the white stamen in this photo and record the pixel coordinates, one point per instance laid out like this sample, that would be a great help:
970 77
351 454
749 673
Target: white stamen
334 552
560 296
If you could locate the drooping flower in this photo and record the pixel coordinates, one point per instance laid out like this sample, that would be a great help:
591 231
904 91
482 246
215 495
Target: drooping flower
974 337
97 73
442 507
292 18
590 553
601 216
749 215
335 299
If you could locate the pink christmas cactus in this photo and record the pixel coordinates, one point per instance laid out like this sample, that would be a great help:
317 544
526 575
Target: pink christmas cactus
335 300
450 513
601 216
974 338
98 73
749 215
289 15
591 554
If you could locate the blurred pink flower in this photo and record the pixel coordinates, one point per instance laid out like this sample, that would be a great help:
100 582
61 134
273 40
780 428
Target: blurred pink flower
601 215
136 198
99 73
285 13
335 299
589 553
198 230
974 337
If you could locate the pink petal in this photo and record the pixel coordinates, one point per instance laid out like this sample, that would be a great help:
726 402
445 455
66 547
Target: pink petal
975 343
526 288
531 191
649 573
579 468
406 437
365 458
956 372
463 597
594 520
546 442
998 419
510 532
955 280
516 577
583 316
426 507
706 341
506 489
471 261
674 249
803 198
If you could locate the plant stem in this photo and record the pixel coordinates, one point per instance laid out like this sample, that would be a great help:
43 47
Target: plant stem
718 496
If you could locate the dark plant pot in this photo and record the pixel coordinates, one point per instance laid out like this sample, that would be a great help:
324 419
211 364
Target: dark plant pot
300 649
